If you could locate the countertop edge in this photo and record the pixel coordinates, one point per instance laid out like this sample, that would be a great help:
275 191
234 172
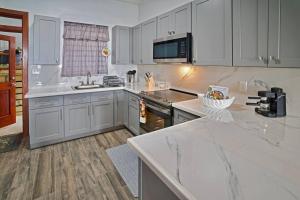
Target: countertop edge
61 93
179 190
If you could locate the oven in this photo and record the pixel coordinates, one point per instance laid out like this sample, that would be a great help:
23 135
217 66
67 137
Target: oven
156 117
173 49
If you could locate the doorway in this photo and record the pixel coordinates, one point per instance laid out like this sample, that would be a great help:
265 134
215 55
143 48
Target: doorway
13 78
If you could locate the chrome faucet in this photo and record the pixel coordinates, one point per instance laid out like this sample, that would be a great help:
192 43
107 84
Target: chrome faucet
88 76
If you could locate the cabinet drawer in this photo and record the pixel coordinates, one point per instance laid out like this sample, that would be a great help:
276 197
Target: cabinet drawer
45 102
133 100
181 116
77 99
102 96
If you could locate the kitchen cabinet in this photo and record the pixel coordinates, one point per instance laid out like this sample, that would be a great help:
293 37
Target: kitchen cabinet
134 114
77 119
121 45
119 108
136 44
174 22
181 117
45 125
46 40
250 33
212 32
125 111
148 35
266 33
102 116
284 32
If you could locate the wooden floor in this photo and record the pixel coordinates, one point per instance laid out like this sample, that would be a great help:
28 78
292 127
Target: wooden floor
79 169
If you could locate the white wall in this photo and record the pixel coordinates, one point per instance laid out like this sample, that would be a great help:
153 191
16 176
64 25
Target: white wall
102 12
149 9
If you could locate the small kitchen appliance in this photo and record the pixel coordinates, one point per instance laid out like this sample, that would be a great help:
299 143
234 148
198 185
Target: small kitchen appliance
272 103
173 49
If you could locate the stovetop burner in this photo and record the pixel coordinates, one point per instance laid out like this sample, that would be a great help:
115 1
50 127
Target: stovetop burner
167 97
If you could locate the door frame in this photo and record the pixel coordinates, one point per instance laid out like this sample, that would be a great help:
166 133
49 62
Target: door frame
14 14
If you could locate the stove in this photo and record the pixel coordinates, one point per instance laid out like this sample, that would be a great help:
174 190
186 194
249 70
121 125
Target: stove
157 111
167 97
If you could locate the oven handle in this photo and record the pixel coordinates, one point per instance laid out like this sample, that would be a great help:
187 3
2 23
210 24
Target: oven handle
165 111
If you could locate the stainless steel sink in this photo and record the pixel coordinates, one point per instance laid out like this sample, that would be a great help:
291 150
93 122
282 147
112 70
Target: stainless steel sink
85 87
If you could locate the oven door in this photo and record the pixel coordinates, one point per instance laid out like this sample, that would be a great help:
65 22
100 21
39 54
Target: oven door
157 117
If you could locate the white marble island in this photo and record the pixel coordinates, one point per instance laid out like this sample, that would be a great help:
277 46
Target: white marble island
230 154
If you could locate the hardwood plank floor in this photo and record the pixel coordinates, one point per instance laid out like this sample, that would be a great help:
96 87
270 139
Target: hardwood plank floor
78 169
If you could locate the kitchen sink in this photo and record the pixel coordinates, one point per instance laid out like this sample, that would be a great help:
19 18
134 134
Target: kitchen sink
85 87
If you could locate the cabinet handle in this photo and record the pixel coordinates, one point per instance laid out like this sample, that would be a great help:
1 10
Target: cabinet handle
263 59
194 60
173 32
276 60
57 60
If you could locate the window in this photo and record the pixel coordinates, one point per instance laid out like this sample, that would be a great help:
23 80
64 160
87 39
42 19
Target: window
83 44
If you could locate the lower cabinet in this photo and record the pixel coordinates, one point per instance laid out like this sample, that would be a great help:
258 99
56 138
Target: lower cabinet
181 116
134 114
102 116
119 108
46 124
77 119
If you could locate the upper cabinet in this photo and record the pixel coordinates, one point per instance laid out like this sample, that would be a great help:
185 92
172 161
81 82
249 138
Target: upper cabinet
266 33
121 45
136 44
175 22
148 35
284 32
250 32
46 40
212 32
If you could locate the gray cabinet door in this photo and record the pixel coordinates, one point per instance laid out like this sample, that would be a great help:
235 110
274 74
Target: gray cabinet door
119 107
183 19
250 32
134 119
181 117
148 35
46 40
126 106
212 32
77 119
284 33
175 22
46 125
165 25
121 45
136 44
102 115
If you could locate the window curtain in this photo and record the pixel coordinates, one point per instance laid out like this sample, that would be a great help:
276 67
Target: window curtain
83 44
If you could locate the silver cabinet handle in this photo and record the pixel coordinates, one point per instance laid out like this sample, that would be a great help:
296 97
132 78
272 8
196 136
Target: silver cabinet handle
276 60
173 32
194 60
263 59
57 60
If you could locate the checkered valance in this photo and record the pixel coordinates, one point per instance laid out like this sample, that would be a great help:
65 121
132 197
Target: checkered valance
81 31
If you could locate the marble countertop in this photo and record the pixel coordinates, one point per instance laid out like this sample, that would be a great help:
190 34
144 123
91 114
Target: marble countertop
227 154
56 90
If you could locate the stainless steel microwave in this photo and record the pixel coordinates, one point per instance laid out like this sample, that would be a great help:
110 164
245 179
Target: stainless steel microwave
173 49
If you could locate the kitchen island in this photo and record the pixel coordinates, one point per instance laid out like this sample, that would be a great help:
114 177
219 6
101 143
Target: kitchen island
226 154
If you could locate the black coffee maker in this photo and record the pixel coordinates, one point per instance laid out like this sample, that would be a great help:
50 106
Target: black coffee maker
272 103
